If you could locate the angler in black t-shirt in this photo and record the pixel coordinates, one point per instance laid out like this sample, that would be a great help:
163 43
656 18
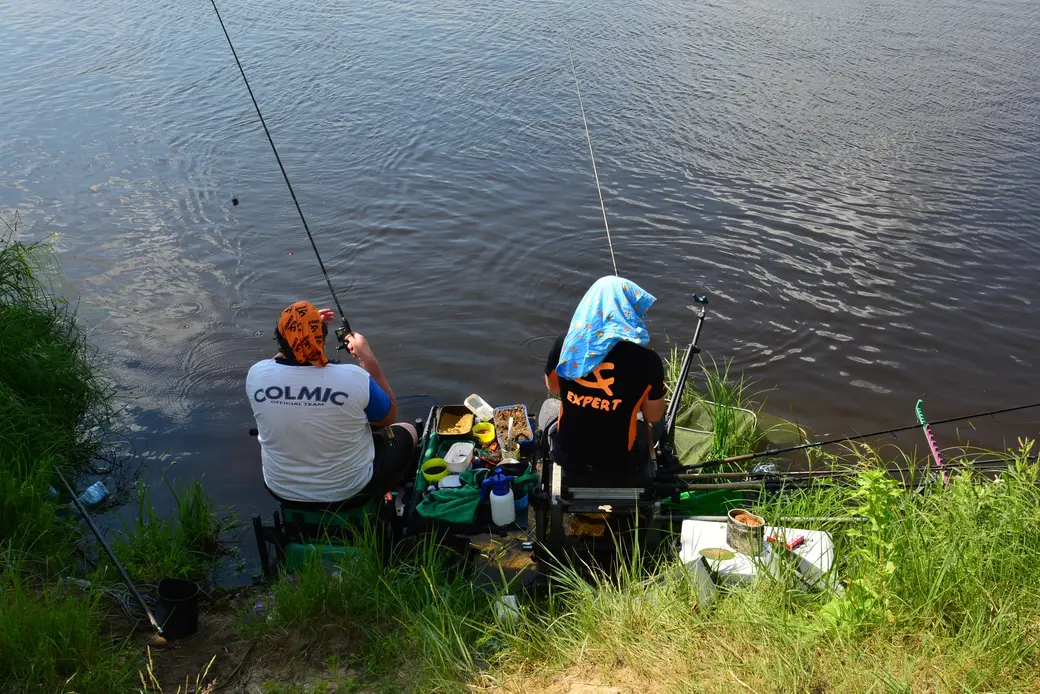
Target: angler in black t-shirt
606 379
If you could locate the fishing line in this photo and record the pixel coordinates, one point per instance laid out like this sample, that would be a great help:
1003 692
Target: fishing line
285 175
988 465
9 227
592 155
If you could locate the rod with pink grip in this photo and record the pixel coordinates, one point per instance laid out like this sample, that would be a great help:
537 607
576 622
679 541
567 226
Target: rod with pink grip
931 441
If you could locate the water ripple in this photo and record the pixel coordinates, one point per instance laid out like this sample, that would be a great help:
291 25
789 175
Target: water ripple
854 186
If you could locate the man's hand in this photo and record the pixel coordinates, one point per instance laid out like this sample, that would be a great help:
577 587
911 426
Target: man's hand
327 314
358 347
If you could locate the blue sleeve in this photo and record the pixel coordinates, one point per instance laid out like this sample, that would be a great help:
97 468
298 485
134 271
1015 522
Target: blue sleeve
378 402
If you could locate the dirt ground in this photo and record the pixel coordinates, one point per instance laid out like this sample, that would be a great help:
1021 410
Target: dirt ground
209 660
217 658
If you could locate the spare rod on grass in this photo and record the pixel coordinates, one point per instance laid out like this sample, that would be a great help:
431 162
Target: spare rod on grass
790 519
858 437
751 485
108 551
341 335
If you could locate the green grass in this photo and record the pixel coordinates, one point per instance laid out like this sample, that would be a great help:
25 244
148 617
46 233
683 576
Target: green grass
53 401
28 513
190 546
413 625
939 595
54 413
725 398
51 640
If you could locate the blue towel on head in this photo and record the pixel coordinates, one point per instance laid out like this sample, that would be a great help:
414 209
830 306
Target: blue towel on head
611 311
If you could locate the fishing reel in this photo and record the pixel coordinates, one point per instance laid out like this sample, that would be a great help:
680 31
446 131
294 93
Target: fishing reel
341 338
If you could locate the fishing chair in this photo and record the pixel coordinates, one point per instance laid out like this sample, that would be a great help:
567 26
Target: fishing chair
302 530
605 503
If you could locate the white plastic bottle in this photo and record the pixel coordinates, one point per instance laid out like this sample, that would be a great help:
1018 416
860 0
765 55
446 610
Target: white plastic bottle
503 511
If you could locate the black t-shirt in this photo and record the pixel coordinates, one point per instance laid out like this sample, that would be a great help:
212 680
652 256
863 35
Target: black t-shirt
598 413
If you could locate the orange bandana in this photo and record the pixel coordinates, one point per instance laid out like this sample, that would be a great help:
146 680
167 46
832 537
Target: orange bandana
300 325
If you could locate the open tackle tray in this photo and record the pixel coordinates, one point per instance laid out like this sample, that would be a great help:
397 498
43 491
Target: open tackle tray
434 445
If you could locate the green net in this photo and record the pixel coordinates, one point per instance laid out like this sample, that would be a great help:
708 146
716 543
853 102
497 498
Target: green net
695 435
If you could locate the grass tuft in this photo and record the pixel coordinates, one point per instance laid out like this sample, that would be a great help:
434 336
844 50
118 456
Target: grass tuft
727 399
417 624
190 546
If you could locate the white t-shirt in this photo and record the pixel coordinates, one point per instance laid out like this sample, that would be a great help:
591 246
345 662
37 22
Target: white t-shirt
316 442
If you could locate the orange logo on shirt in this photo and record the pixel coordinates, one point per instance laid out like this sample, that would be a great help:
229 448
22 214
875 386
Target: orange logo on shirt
605 404
600 383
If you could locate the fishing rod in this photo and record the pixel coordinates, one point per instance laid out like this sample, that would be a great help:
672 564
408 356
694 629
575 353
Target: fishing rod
859 437
761 485
932 445
592 155
342 333
108 550
775 481
980 465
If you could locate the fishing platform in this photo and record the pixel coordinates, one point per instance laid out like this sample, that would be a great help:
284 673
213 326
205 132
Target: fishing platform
486 483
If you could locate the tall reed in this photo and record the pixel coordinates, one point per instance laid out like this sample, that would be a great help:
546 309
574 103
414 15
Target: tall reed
727 399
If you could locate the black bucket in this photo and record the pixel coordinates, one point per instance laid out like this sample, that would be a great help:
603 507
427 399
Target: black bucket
178 607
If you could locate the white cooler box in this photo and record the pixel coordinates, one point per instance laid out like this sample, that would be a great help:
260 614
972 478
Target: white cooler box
812 560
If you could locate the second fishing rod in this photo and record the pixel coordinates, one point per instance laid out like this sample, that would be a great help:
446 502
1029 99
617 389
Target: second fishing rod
857 437
344 330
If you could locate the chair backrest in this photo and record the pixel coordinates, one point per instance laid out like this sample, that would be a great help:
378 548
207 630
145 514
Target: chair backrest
627 472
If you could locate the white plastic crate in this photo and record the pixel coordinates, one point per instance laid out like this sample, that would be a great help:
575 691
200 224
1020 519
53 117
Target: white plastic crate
812 560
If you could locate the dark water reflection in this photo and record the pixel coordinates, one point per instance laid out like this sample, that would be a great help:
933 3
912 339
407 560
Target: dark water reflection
854 185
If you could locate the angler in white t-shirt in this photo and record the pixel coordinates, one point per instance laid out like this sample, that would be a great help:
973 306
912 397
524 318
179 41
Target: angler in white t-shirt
323 427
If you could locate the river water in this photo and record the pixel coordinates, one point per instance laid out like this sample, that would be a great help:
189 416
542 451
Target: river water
855 185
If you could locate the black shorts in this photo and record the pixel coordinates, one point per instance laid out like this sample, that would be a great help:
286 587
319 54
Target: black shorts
394 458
